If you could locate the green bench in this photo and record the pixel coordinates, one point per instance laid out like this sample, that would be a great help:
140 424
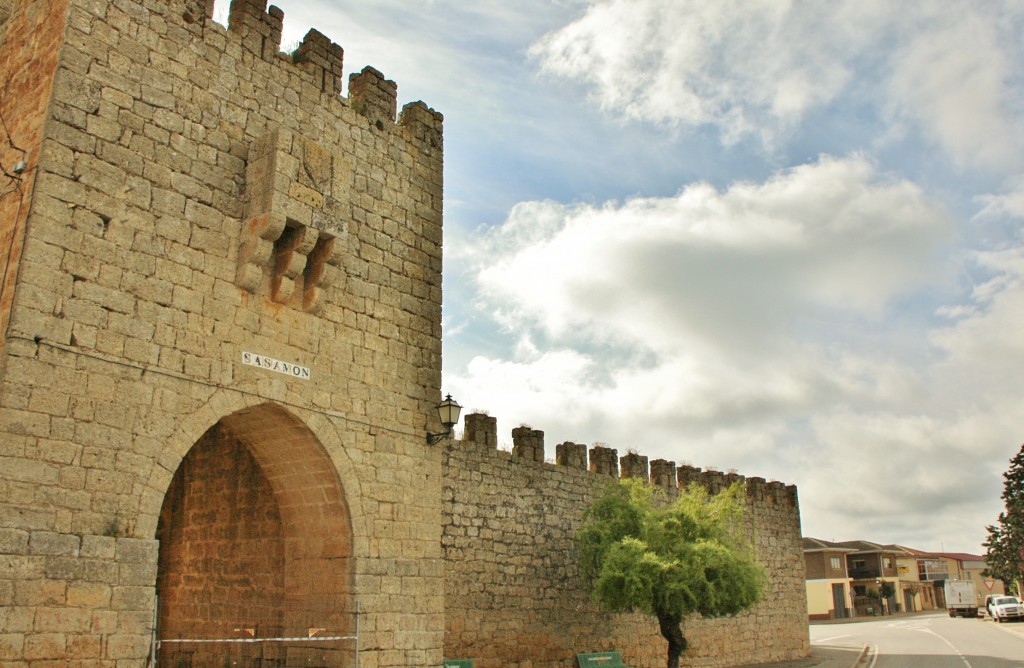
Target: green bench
601 660
458 663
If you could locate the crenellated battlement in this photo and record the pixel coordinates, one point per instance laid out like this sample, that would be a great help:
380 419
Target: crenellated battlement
260 30
528 445
281 119
321 61
510 519
373 96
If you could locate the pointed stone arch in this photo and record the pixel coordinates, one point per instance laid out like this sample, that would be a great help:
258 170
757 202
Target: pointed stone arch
256 533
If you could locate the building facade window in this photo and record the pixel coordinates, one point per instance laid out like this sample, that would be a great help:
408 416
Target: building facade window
932 569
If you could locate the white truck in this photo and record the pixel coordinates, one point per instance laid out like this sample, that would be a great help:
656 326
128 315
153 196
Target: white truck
961 599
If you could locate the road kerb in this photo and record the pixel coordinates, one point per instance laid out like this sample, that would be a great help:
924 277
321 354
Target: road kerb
861 656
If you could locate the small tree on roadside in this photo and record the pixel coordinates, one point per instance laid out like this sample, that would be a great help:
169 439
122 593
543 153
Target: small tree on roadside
669 560
887 591
1005 543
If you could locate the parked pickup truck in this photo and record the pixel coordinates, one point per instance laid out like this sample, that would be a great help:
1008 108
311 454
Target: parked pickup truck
1007 609
961 600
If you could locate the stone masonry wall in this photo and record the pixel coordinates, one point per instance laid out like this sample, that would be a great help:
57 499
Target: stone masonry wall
234 562
30 45
512 597
214 235
207 238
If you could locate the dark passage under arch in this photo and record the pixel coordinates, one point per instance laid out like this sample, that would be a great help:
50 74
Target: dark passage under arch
255 542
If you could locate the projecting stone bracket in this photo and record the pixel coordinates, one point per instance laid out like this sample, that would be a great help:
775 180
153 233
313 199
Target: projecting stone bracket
296 214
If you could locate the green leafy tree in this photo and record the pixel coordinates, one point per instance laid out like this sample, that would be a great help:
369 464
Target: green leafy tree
1005 543
669 560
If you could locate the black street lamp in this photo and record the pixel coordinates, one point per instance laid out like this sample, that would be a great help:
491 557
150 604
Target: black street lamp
448 410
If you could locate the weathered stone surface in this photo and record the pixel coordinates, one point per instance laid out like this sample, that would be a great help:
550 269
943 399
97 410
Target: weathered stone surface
192 200
199 195
512 596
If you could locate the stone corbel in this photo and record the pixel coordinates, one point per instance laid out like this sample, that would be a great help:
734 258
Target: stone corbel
295 218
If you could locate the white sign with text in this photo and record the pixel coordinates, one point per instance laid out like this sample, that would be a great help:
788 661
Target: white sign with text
271 364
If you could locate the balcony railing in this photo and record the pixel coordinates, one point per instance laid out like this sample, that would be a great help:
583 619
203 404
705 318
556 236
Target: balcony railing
931 577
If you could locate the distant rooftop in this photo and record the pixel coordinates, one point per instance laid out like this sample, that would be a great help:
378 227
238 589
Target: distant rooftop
816 544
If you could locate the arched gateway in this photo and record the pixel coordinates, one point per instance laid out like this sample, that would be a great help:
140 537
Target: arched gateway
255 546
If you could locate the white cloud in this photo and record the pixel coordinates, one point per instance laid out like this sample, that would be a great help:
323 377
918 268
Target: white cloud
690 313
830 325
1007 208
757 69
727 63
955 77
984 350
690 308
705 269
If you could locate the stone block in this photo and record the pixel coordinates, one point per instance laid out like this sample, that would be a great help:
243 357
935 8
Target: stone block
84 647
35 593
44 646
16 619
63 620
88 595
20 567
12 646
31 424
50 543
13 541
132 597
120 646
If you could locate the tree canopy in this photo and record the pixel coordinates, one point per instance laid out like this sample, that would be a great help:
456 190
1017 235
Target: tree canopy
669 560
1005 543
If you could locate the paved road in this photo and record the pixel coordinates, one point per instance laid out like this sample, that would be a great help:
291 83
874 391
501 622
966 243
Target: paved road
919 641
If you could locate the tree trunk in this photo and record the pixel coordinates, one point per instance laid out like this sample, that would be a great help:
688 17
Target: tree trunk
673 633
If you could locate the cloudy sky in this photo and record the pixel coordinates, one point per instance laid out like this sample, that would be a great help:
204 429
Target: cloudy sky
781 238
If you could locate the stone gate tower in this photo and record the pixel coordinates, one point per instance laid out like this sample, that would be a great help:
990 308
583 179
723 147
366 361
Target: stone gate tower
220 311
